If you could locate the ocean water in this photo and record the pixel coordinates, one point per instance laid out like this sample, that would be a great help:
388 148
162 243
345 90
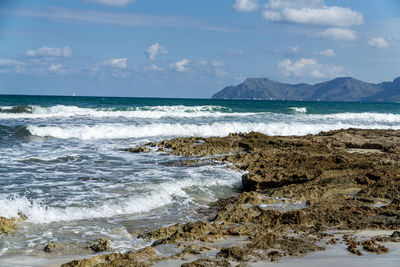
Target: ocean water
62 166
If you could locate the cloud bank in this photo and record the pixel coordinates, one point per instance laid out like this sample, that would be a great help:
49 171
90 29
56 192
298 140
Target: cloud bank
49 52
245 5
308 67
313 12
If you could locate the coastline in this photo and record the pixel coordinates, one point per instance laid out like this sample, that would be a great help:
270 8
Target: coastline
296 191
304 199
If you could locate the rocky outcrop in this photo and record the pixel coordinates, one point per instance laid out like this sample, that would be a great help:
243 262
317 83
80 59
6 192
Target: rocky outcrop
142 258
8 226
139 149
296 192
50 247
99 245
344 179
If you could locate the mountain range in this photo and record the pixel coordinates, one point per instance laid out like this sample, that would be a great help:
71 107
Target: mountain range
339 89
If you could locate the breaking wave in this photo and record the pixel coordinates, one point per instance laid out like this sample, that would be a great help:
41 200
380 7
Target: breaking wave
119 131
16 109
299 109
151 112
158 195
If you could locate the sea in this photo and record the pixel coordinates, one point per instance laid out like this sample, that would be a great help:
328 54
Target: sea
61 163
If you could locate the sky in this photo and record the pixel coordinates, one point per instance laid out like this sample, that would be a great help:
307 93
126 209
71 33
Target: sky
191 49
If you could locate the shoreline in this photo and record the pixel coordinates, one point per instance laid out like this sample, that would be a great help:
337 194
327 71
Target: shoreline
296 191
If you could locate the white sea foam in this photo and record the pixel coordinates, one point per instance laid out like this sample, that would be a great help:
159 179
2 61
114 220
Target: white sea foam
151 112
158 195
39 213
365 117
299 109
119 131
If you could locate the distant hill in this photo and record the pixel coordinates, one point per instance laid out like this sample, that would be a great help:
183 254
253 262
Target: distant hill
339 89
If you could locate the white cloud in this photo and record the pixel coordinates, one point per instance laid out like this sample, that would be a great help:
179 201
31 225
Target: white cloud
326 53
312 12
49 52
9 62
154 50
180 65
279 4
338 34
56 68
316 73
119 63
288 68
378 42
245 5
116 3
310 67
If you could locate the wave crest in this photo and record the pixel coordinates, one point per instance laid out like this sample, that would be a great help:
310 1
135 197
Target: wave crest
120 131
299 109
157 196
146 112
16 109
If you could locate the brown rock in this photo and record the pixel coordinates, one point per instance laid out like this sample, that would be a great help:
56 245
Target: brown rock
7 226
142 258
50 247
237 253
183 232
207 263
371 246
274 255
140 149
98 245
336 180
352 247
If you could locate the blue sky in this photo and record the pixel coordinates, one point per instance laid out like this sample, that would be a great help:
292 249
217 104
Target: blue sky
181 48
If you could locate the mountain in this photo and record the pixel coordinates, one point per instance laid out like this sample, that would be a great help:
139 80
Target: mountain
339 89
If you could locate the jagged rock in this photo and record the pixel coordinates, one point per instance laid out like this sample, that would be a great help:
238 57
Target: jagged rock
238 254
140 149
207 263
336 180
183 232
275 255
99 245
352 247
371 246
50 247
142 258
8 226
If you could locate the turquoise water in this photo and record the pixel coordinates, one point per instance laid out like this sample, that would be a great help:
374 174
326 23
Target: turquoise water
61 162
235 105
